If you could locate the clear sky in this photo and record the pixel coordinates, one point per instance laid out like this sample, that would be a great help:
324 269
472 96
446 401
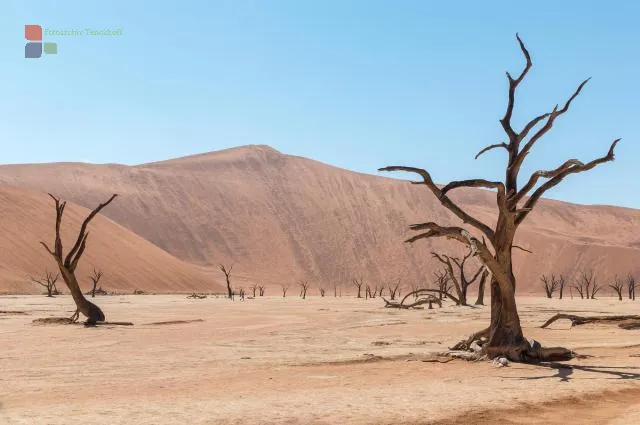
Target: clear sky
357 84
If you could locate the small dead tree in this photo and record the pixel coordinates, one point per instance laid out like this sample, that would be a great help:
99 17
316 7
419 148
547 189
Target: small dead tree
550 284
304 286
504 335
322 291
95 278
335 290
358 284
618 286
486 276
561 282
68 264
442 283
254 288
48 282
458 277
285 288
227 276
241 294
393 289
261 289
579 286
631 286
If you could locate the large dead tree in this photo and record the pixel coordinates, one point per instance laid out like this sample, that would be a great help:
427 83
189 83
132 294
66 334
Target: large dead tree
458 276
514 203
48 282
68 264
95 278
227 277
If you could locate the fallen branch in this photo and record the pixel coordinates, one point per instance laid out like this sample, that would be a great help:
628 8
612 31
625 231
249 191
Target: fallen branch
580 320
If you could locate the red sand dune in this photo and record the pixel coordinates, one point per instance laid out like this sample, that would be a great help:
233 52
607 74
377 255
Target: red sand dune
281 218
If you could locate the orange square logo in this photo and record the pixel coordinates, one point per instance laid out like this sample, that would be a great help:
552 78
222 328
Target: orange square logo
33 32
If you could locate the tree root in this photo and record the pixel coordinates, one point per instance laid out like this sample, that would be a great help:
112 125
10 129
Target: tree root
629 321
528 351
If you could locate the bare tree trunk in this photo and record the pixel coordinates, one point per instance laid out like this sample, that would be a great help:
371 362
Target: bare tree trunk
483 280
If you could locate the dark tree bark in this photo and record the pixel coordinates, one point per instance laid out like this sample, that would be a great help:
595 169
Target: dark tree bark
95 278
505 332
458 276
48 282
227 276
68 264
561 282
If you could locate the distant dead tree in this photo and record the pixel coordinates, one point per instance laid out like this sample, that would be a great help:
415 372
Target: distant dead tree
486 276
358 284
561 282
304 286
422 298
370 291
587 285
285 288
95 278
335 290
393 289
550 284
227 276
618 286
579 286
631 286
261 289
241 294
254 288
504 336
48 282
458 276
442 283
68 264
322 291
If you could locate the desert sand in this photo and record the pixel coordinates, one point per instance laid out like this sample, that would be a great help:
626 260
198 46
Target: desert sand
317 361
279 218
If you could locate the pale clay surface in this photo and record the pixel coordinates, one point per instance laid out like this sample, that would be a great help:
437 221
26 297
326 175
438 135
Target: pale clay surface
274 361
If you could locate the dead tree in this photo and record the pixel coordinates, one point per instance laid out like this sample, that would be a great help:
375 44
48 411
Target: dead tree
285 288
68 264
561 282
227 276
393 290
483 281
442 282
419 300
550 284
358 284
579 286
48 282
241 294
631 286
322 291
514 204
587 285
335 290
95 278
458 277
254 288
618 286
261 289
304 286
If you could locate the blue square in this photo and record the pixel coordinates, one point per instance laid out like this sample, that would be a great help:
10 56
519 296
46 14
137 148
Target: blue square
32 50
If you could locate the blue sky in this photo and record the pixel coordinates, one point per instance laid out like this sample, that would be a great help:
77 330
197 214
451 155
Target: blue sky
356 84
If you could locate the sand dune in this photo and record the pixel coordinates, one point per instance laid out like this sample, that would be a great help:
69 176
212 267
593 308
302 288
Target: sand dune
129 262
282 218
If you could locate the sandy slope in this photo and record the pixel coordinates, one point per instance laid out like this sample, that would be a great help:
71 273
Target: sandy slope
129 262
283 218
320 361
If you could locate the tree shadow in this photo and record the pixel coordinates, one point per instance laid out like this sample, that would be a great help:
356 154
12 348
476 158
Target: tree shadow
565 371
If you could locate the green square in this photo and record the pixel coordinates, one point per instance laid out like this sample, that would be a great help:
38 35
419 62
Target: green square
51 48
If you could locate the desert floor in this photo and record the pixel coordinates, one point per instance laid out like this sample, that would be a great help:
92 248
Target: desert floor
317 361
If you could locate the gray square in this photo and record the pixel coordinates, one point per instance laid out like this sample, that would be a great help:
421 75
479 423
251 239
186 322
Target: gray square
32 50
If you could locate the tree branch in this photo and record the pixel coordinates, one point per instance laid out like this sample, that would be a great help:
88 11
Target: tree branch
574 168
513 84
488 148
546 174
444 200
